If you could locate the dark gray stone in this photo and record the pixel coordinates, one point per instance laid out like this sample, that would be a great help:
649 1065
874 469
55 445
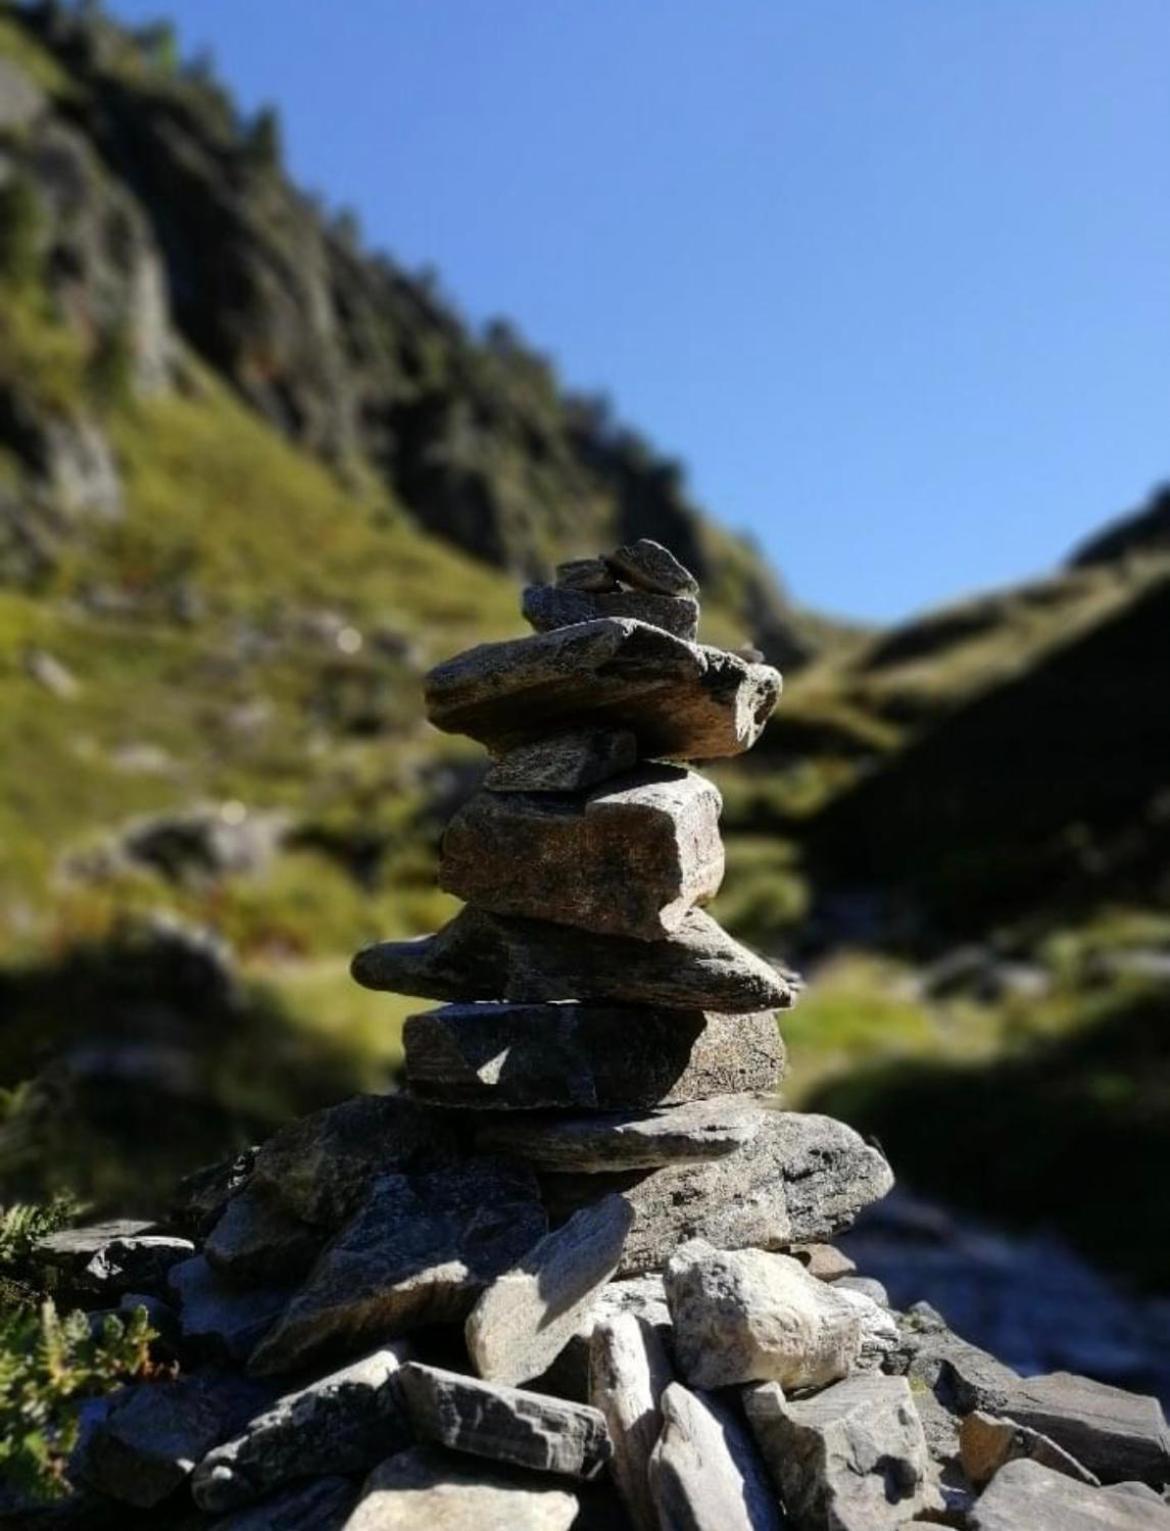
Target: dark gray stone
489 956
202 1195
256 1243
585 574
605 1142
507 1057
220 1320
647 565
419 1250
1116 1434
567 762
547 607
323 1505
704 1472
505 1424
107 1259
427 1489
682 700
628 858
1026 1495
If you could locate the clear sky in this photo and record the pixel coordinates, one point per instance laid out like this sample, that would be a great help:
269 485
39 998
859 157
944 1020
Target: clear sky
892 277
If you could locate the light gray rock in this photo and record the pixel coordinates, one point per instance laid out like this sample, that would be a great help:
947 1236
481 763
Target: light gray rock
986 1444
704 1472
699 1130
1116 1434
481 956
256 1243
419 1250
647 565
749 1316
641 1297
547 607
526 1317
323 1505
107 1259
585 574
879 1329
628 858
428 1490
628 1373
682 700
1024 1494
505 1424
223 1321
567 762
342 1423
868 1287
508 1057
852 1458
319 1167
802 1177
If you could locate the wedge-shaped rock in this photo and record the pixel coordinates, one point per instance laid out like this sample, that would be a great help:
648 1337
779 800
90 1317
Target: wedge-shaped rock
220 1321
628 1374
852 1458
528 1315
319 1167
648 565
801 1178
1026 1495
505 1424
488 956
986 1444
601 1142
568 762
257 1243
509 1057
325 1504
681 700
748 1316
342 1423
1114 1433
630 857
547 607
428 1490
704 1471
418 1251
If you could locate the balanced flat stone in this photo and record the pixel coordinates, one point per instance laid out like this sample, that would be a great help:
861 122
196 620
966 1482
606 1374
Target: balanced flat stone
630 857
257 1243
512 1057
852 1458
802 1177
1024 1494
547 607
505 1424
342 1423
704 1473
748 1316
585 574
986 1444
426 1489
478 955
648 565
565 762
682 700
628 1374
419 1250
1114 1433
603 1142
527 1315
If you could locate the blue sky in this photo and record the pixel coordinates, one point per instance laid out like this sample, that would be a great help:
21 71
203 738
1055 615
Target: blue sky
892 277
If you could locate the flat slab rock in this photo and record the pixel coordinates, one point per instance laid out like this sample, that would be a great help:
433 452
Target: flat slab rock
108 1259
1116 1434
511 1057
565 762
629 857
527 1316
418 1251
1024 1494
602 1142
505 1424
681 700
482 956
547 607
851 1458
344 1422
704 1472
425 1489
647 565
802 1177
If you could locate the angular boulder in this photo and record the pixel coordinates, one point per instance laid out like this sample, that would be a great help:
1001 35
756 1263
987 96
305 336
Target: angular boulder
425 1489
630 857
704 1472
1114 1433
547 607
628 1374
1026 1495
565 762
482 956
683 701
510 1057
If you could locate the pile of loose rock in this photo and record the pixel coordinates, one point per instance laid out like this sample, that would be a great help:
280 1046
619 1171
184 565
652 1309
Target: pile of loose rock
576 1273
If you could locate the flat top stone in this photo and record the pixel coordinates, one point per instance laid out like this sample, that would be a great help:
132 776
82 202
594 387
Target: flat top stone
1114 1433
1025 1495
565 762
547 607
648 565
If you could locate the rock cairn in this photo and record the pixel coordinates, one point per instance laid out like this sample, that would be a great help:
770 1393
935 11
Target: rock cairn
576 1273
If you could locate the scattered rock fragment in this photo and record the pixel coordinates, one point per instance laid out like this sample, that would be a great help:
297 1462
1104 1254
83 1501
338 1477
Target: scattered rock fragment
628 1373
566 762
704 1473
426 1489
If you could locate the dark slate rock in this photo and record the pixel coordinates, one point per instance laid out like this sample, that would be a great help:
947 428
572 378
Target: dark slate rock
219 1320
566 762
508 1057
585 574
323 1505
1116 1434
428 1489
704 1471
202 1195
506 1424
547 607
418 1251
256 1243
629 857
648 565
488 956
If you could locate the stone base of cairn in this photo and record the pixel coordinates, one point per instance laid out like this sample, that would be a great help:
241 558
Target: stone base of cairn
577 1273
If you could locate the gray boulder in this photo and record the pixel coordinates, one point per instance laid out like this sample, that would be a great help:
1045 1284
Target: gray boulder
429 1490
1116 1434
565 762
704 1472
1024 1494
